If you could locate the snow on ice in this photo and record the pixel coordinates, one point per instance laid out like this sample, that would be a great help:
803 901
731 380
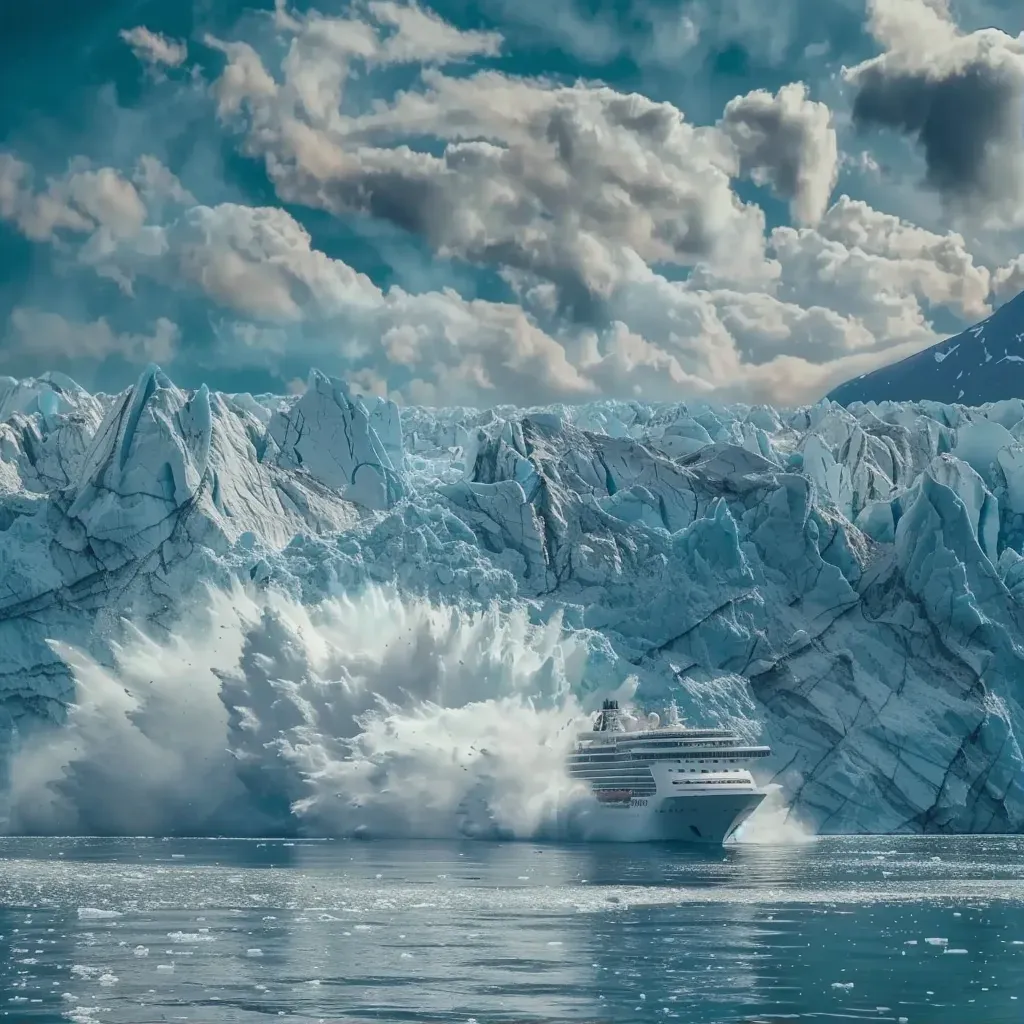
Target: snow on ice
320 615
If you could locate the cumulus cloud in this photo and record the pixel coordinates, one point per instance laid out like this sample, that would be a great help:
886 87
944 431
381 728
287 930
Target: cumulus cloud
556 181
37 215
260 264
786 141
1008 281
959 96
835 306
49 337
937 268
81 201
828 302
421 36
281 295
823 303
98 215
155 49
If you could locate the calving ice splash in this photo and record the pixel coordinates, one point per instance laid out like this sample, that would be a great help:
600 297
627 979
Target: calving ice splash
373 715
665 782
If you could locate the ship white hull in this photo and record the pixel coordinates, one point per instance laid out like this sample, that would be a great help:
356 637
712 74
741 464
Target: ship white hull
692 819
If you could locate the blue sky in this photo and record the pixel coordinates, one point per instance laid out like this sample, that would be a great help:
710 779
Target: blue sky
486 201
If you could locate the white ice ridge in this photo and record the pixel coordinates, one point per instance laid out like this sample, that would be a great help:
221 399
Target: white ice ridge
846 583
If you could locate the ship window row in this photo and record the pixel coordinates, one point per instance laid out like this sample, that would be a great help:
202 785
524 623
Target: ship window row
676 755
687 755
612 776
610 763
656 744
689 734
709 782
687 749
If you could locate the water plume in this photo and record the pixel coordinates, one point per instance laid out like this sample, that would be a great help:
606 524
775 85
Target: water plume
363 715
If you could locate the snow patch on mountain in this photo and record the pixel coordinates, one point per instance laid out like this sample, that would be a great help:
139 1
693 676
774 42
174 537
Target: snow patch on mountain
846 584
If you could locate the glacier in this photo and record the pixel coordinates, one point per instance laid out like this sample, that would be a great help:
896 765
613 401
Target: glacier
322 614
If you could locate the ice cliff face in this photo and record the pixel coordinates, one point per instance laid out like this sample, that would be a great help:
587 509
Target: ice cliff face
846 583
983 364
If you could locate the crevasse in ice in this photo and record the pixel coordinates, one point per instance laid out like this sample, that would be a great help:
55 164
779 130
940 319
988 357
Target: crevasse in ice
849 583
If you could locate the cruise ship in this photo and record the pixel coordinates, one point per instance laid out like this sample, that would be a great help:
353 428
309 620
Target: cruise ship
671 782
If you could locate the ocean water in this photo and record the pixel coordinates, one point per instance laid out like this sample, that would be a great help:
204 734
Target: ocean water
133 931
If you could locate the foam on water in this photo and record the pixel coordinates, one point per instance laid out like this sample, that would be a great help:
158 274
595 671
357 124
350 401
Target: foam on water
773 823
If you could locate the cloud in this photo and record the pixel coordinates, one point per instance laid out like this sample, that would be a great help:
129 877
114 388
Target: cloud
38 216
100 215
49 336
557 181
421 36
283 297
841 299
857 291
959 96
937 268
786 141
822 303
683 39
1008 281
260 264
81 201
155 49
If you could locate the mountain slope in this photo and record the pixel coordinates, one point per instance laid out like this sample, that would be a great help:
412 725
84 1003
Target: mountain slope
984 363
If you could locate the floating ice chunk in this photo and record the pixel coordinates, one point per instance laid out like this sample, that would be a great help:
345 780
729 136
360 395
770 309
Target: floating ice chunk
189 937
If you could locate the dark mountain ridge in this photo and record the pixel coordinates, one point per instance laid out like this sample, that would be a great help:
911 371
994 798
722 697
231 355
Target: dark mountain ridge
984 363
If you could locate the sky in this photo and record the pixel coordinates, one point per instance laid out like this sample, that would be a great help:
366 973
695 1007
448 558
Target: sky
481 202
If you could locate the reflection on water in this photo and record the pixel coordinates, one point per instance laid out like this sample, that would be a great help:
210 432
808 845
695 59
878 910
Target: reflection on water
216 931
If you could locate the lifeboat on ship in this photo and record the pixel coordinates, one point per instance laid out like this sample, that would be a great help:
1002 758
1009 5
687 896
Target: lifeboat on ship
614 796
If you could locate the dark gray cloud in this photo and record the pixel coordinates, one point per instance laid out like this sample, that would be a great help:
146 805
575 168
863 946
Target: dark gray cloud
959 96
967 124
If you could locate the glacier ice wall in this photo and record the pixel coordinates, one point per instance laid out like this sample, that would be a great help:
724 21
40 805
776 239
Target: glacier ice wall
256 613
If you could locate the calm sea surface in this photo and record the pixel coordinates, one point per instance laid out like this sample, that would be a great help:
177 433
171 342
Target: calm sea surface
926 931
